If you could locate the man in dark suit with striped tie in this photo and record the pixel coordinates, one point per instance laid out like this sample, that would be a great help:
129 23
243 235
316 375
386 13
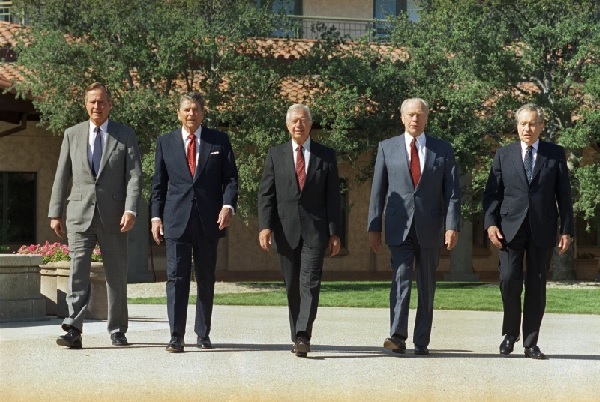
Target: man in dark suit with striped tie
527 191
299 206
194 195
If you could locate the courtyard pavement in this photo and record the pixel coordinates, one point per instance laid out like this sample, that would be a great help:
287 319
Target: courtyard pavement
252 360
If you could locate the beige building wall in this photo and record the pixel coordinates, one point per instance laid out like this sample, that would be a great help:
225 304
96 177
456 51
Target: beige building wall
33 150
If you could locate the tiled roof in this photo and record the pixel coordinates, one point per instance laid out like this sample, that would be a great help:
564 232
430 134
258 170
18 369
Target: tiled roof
8 33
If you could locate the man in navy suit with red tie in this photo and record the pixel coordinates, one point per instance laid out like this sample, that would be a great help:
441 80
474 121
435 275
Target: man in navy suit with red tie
527 191
194 196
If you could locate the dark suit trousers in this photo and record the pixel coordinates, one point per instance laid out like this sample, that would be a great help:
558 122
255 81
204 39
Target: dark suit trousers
113 245
302 271
179 265
425 261
511 285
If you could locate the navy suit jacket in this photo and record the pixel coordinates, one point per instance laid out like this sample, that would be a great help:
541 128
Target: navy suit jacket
433 205
313 213
175 191
508 198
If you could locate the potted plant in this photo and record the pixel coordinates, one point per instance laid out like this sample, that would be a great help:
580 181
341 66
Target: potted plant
586 267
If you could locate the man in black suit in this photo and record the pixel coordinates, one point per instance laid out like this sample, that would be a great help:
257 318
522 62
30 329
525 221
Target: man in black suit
194 194
527 191
299 205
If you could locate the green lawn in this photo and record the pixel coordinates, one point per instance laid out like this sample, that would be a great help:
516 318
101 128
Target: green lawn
449 296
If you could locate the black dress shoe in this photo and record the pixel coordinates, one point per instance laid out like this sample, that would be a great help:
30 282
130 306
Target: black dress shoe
507 345
421 350
119 339
302 346
175 345
72 339
204 342
535 353
395 344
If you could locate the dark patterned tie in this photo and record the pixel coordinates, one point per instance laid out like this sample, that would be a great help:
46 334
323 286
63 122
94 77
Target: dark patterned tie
528 163
191 153
97 154
415 165
300 168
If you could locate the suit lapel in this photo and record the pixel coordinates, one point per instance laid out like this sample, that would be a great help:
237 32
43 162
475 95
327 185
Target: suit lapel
517 158
81 147
289 168
430 153
399 151
177 148
313 160
540 159
111 143
205 150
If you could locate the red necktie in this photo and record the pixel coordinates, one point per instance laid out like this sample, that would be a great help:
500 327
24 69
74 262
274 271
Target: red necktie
191 153
415 165
300 168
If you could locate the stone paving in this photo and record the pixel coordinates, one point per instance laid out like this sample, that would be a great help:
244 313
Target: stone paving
252 360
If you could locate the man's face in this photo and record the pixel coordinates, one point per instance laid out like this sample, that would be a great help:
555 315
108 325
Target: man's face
299 126
97 105
414 118
528 127
190 114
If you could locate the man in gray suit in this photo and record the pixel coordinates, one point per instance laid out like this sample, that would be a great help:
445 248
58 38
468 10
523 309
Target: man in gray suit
415 184
299 206
101 159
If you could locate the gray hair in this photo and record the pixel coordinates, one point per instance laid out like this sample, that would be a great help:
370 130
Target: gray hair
192 97
407 101
298 106
531 107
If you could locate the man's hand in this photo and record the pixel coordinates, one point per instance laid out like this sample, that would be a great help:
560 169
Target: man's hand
57 225
334 245
264 239
225 218
157 230
563 243
495 236
375 240
127 222
450 239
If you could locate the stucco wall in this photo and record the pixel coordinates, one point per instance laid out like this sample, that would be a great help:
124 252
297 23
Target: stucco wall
338 8
34 150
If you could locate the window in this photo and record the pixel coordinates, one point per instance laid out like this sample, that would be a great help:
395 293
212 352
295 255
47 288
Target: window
383 9
17 208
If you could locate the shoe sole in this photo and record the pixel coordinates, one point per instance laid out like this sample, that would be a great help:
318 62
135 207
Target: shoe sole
543 357
70 345
388 344
121 344
422 353
174 350
301 354
205 347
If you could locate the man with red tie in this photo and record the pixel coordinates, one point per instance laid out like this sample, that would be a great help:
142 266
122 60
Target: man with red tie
299 206
415 186
194 194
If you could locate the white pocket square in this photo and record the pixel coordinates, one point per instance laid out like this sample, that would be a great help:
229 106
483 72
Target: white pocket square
214 153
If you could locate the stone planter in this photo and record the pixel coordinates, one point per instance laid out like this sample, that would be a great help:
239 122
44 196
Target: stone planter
48 287
586 269
20 298
98 304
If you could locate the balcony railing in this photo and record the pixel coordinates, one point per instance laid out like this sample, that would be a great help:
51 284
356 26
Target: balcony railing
305 27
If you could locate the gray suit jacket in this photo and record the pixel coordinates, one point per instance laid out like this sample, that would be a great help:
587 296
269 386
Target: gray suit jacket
433 205
116 188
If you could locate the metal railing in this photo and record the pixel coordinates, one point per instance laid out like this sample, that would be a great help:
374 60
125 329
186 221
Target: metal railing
309 27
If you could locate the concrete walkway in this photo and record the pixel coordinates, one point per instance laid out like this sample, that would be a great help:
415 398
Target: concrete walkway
252 360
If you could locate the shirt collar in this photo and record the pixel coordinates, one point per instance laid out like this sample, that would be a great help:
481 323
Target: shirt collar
535 145
103 126
185 134
306 145
421 139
